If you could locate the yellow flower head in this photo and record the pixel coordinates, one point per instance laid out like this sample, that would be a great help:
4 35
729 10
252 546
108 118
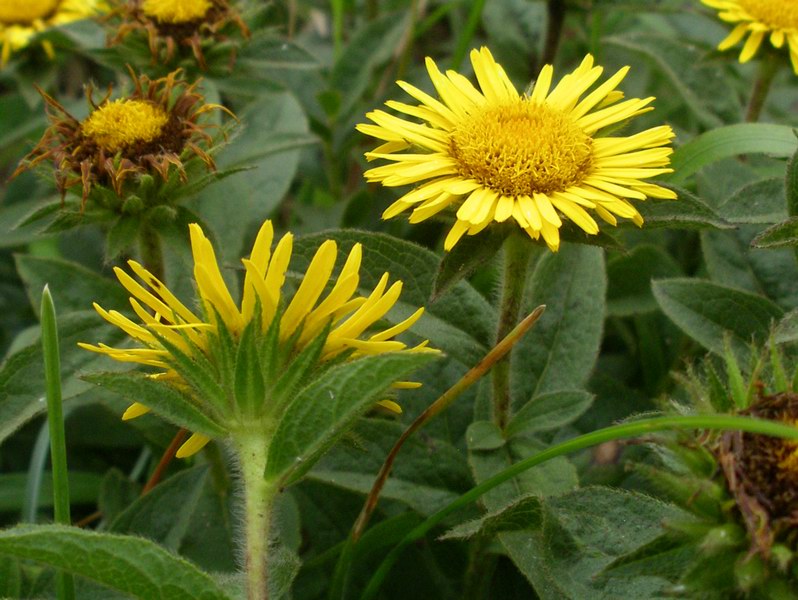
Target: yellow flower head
20 20
495 154
152 130
173 24
776 19
167 325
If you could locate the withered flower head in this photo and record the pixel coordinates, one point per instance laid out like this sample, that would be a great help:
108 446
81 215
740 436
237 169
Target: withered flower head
171 24
762 472
155 129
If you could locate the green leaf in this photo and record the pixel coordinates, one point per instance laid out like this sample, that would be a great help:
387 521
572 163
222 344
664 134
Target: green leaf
461 322
294 375
22 374
667 556
686 212
549 411
581 533
249 385
466 257
369 47
701 85
630 275
728 141
420 479
551 478
707 312
72 285
83 489
780 235
122 236
323 411
758 202
484 435
524 513
257 192
116 494
164 514
732 261
165 400
10 579
127 564
559 352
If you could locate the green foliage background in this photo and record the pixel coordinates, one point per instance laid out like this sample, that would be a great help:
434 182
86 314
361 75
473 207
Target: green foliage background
621 315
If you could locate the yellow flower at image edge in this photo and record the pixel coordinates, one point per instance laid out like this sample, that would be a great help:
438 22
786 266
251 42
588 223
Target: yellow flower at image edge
300 320
759 19
21 20
496 155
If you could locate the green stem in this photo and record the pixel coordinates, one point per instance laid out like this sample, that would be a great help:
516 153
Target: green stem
55 418
556 18
151 251
614 432
338 27
259 495
464 41
768 67
517 251
408 40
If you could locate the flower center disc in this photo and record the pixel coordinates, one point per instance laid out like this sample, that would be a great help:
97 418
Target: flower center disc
122 123
25 11
176 11
781 14
521 148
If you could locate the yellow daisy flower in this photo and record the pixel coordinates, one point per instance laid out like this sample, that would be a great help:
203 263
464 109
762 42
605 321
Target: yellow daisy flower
758 19
21 20
497 155
168 324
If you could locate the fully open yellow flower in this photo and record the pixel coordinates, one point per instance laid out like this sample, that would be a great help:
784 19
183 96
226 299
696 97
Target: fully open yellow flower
300 318
20 20
496 154
758 19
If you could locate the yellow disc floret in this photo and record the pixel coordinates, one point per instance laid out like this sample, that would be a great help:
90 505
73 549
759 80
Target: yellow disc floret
17 12
782 14
122 123
522 148
176 11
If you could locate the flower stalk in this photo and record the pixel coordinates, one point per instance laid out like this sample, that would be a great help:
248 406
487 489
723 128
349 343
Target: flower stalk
768 67
517 252
251 448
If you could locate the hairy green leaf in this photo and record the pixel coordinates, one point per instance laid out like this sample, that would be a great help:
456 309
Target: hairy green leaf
727 141
164 399
127 564
707 312
549 411
323 411
558 353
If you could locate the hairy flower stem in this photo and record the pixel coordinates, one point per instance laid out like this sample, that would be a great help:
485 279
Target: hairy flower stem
517 251
768 67
258 501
